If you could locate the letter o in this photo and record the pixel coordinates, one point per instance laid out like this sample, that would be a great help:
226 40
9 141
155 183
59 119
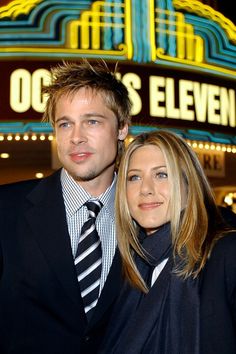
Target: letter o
20 90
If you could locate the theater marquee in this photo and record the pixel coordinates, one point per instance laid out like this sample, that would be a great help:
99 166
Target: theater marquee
159 97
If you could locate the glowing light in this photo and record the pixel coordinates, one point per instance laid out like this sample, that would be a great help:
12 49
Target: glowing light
9 137
34 137
229 199
50 137
26 137
39 175
17 137
4 155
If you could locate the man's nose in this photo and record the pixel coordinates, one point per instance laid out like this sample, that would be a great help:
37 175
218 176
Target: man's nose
78 134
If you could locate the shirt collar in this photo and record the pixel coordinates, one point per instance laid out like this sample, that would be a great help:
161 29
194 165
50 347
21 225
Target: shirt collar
71 188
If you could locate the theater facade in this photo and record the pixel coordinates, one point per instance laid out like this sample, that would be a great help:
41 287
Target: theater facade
177 59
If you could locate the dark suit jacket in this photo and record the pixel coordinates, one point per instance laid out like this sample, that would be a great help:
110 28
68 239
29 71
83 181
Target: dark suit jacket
143 331
218 299
41 309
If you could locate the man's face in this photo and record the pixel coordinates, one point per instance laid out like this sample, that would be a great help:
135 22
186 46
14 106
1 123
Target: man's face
87 135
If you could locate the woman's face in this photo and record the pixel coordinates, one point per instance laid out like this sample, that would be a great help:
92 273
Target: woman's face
148 188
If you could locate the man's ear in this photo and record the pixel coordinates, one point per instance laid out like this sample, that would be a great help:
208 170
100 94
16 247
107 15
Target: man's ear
123 132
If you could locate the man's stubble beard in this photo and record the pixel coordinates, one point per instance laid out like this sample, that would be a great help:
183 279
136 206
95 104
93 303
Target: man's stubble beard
88 177
92 174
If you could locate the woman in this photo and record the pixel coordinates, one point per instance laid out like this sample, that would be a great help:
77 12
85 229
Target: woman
179 258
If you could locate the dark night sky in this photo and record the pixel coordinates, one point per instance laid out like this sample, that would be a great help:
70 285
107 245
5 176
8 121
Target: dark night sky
226 8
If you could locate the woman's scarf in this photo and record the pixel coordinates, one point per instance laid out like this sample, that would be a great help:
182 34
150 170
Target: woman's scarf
164 321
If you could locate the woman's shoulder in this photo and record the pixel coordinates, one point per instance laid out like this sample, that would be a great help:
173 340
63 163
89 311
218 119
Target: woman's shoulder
226 244
219 273
222 257
229 216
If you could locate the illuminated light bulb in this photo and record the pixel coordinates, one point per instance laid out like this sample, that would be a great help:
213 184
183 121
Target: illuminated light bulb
39 175
42 137
234 150
213 147
218 148
17 137
1 137
194 145
50 137
26 137
228 200
229 149
200 146
207 146
4 155
224 148
9 137
34 137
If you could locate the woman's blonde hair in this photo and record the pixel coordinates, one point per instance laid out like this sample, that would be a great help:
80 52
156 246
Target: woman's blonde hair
193 235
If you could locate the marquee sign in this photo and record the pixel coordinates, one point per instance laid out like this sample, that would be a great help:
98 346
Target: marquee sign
177 58
178 33
159 97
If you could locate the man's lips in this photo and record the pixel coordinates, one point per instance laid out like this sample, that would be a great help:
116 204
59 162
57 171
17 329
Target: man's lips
80 156
148 206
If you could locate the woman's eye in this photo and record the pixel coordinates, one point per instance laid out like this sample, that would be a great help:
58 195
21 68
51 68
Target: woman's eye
161 175
132 178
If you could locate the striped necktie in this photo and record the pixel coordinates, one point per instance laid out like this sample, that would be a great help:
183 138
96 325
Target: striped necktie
88 259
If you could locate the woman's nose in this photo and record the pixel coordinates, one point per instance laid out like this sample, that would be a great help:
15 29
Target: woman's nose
147 186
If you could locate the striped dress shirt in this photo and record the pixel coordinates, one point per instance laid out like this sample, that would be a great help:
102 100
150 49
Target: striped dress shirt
76 213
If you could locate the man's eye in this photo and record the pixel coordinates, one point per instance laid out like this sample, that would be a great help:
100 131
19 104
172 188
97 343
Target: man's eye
64 125
93 122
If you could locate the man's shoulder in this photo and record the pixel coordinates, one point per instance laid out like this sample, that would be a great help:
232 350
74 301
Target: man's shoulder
17 190
6 190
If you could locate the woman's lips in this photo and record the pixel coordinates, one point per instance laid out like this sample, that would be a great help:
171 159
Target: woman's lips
147 206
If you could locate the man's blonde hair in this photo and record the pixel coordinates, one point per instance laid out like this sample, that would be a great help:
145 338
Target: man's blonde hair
69 77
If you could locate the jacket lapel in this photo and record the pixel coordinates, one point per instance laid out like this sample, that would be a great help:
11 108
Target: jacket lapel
110 291
47 218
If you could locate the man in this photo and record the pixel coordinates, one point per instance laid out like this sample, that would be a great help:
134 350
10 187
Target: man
43 307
